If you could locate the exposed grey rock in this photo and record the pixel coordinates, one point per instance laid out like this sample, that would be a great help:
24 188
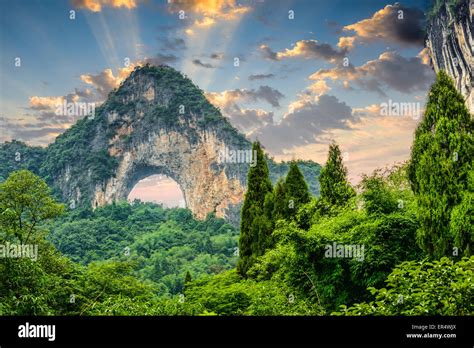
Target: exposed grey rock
450 44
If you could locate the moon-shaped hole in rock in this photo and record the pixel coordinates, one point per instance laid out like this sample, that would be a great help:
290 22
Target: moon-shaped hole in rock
159 189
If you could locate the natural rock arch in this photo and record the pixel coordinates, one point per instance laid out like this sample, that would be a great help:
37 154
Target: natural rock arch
192 166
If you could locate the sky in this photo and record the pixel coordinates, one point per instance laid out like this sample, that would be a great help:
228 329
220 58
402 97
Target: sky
295 74
158 189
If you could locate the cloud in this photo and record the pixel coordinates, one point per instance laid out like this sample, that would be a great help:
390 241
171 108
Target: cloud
46 109
261 77
45 103
374 141
96 5
205 22
208 12
390 69
105 81
394 23
263 93
246 120
306 49
267 52
172 44
267 93
198 62
346 42
319 88
367 140
217 55
46 118
304 124
44 121
424 55
310 95
36 133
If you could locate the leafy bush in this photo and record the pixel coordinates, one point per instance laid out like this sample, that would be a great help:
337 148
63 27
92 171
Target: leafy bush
228 294
443 287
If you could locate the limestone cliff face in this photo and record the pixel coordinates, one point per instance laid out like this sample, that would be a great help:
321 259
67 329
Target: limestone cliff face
450 44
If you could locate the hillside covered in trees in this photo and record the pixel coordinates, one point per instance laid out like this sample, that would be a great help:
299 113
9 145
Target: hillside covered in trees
401 243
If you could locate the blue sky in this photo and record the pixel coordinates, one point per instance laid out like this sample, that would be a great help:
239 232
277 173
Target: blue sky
291 89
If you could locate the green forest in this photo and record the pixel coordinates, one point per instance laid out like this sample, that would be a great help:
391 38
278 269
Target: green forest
399 243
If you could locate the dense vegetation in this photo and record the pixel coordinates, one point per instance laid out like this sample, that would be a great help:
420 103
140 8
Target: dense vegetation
16 155
399 244
454 6
164 243
310 170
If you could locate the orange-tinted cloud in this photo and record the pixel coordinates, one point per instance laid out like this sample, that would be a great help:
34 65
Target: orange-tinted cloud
105 81
306 49
424 55
319 88
96 5
310 95
208 12
346 42
263 93
45 103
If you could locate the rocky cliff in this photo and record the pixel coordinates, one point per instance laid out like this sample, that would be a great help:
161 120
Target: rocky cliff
450 43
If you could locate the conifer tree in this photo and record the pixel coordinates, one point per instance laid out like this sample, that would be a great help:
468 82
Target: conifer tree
441 159
269 205
297 192
254 226
335 188
187 280
280 203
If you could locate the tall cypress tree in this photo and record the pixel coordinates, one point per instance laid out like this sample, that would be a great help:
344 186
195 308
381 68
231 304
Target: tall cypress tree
297 192
441 159
254 226
335 188
280 203
187 280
